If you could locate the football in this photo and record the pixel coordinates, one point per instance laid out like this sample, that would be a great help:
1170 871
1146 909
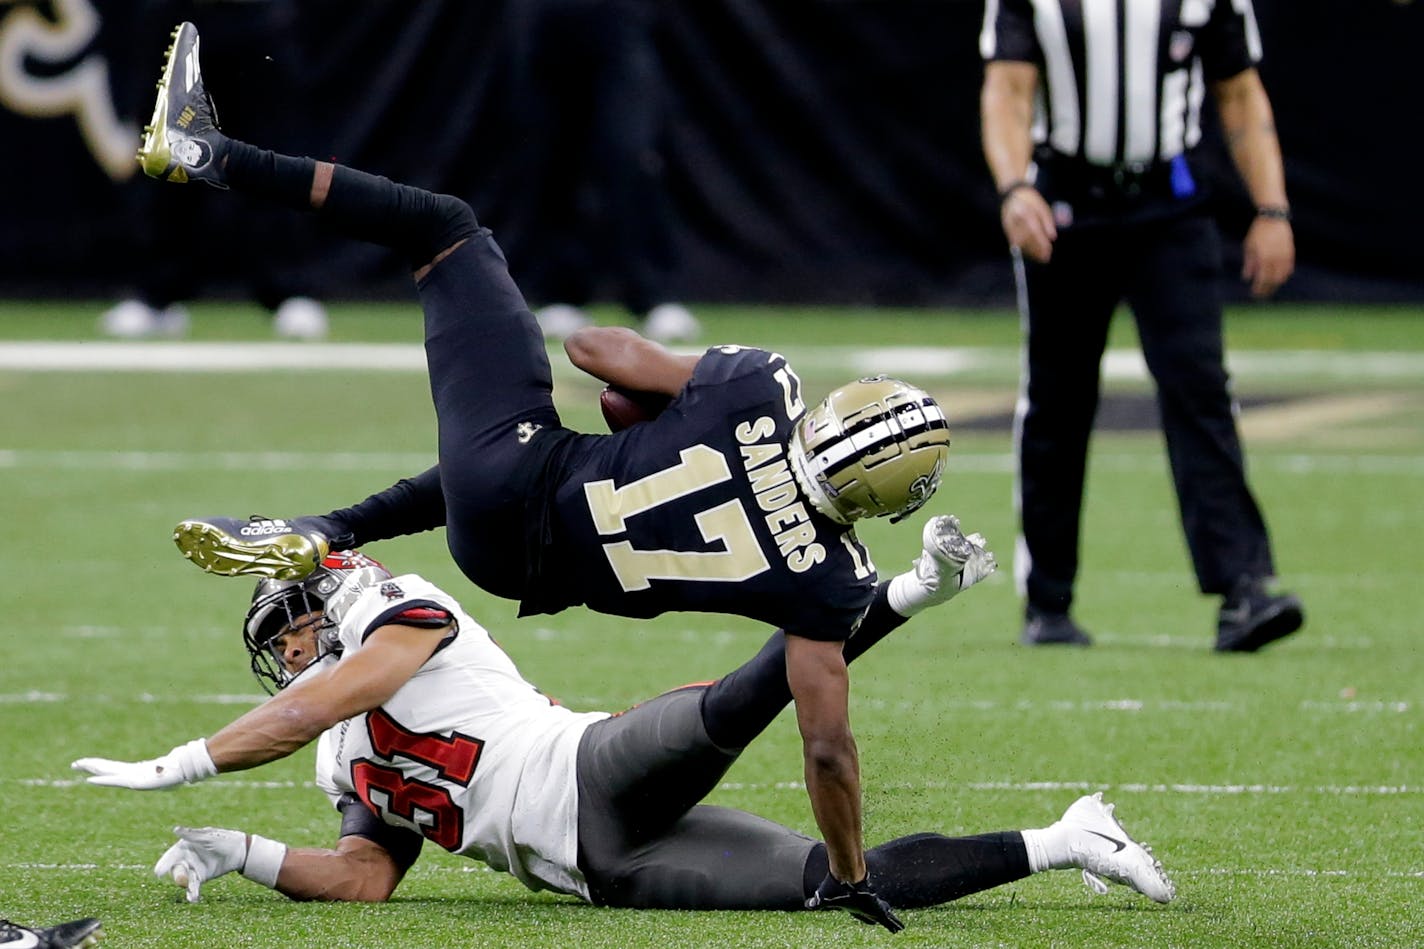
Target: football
624 407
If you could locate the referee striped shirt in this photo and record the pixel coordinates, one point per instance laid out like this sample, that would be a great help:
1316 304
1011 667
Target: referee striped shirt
1122 81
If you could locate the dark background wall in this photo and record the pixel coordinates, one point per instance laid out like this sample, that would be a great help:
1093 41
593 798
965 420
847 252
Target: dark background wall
817 151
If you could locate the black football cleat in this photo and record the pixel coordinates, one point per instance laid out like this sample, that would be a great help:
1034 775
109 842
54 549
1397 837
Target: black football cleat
1254 615
182 142
1042 628
256 547
79 934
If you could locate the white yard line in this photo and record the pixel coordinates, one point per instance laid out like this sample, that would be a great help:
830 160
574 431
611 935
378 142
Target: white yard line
286 461
919 361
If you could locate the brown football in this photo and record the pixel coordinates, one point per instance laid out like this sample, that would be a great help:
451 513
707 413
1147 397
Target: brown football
624 407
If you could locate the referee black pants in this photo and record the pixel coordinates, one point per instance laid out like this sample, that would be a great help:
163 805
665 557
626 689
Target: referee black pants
1167 271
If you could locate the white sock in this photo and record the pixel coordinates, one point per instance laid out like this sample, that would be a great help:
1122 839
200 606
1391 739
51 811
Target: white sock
907 594
1047 849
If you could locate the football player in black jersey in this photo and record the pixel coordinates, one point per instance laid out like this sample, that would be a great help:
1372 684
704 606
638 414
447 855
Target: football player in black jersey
734 499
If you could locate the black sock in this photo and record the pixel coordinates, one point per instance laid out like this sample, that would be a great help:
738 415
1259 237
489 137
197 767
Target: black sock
409 506
264 174
930 869
416 223
740 705
879 621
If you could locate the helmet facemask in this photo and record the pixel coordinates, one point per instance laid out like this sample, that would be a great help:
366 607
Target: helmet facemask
289 606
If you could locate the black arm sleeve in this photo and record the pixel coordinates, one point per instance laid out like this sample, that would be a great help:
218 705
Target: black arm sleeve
357 820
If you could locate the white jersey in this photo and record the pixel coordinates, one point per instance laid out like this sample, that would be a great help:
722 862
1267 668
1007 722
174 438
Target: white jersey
467 752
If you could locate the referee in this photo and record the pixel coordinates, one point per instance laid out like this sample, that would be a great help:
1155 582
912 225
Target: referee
1090 110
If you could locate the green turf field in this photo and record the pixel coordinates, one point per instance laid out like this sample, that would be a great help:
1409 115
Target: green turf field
1284 792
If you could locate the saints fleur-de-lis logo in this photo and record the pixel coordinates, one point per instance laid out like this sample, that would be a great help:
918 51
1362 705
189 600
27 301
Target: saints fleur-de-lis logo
72 79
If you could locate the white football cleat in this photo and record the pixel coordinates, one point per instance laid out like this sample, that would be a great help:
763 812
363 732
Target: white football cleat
951 561
1100 846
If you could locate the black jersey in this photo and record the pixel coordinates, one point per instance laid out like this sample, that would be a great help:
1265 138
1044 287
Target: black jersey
697 510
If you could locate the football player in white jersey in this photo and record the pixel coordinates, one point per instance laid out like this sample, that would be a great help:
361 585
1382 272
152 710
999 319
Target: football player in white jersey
427 730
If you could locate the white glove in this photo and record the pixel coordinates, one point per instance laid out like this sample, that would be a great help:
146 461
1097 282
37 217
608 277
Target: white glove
201 854
949 564
185 764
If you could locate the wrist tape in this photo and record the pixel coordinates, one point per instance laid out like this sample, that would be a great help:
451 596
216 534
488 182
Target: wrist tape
264 860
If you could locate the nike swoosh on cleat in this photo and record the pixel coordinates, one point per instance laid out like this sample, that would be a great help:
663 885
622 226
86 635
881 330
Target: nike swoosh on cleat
1118 844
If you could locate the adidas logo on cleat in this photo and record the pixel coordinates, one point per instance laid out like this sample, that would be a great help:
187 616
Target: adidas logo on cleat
264 528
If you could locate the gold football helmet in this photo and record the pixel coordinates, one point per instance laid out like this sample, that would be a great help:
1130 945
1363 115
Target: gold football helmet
872 448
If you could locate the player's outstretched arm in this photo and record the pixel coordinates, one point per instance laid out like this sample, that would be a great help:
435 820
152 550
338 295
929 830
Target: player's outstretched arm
290 720
358 870
620 357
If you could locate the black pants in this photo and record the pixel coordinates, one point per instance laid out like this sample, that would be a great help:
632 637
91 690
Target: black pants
1167 271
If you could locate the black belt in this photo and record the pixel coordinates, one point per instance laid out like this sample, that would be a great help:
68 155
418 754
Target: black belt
1072 179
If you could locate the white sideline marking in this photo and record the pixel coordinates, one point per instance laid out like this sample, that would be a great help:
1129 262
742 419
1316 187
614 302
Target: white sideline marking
213 460
96 356
288 461
135 356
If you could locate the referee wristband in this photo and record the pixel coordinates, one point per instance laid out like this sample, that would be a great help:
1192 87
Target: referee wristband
1011 187
1274 212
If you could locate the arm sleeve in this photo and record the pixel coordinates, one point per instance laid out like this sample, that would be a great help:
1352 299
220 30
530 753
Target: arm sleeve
357 820
1230 42
1009 32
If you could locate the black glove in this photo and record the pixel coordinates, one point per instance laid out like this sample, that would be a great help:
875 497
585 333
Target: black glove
858 899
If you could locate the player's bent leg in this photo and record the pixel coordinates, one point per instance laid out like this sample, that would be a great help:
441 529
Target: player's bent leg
712 858
641 770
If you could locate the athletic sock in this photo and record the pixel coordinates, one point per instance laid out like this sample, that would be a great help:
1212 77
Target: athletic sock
930 869
409 506
416 223
880 620
265 174
1047 848
740 705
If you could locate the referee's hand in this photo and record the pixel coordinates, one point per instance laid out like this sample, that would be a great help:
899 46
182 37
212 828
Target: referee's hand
1028 223
858 899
